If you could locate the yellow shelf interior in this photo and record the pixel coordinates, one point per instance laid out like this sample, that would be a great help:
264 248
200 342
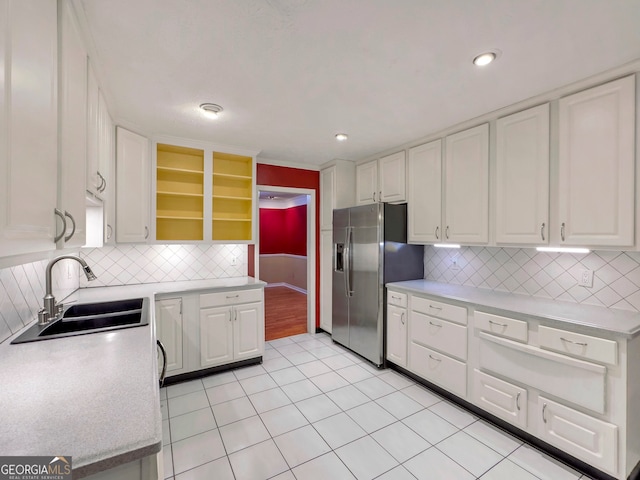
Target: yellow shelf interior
179 193
232 197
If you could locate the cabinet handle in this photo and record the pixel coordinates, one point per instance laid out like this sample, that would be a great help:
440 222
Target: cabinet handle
180 307
438 232
562 231
374 197
402 317
235 314
434 358
518 401
542 231
380 196
231 314
164 361
73 230
233 296
434 324
544 408
446 232
395 298
103 183
146 232
582 344
435 308
64 225
491 322
109 231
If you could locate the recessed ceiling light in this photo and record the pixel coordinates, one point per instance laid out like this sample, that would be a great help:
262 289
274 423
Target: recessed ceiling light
484 59
341 137
211 110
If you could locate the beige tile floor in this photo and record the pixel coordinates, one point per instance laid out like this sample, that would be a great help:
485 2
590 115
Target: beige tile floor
313 410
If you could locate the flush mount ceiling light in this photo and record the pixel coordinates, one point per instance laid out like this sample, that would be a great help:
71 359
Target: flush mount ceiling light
341 137
484 59
211 110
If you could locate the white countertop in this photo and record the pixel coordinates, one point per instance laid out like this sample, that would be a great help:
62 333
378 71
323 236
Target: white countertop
605 320
94 397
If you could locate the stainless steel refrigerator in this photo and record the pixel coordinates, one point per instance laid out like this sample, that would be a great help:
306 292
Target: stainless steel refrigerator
369 250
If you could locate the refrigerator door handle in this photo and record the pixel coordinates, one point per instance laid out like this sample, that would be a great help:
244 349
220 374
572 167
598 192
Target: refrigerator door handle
347 263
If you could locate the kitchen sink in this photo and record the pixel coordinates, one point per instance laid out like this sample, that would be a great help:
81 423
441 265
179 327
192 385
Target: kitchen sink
88 318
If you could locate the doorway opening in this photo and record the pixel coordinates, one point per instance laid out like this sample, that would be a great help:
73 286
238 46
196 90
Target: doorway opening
285 259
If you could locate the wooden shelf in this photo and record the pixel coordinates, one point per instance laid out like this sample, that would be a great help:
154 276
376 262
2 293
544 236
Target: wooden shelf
229 197
180 170
218 219
180 194
230 175
175 217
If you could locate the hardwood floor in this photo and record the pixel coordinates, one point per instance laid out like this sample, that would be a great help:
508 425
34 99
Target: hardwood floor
285 312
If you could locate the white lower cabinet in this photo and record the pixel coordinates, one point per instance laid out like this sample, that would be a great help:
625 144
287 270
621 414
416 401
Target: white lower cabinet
210 329
440 369
503 399
397 328
581 435
169 327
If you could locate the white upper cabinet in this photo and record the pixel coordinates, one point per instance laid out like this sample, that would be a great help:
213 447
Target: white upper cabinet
596 165
382 180
28 126
425 193
367 183
72 98
106 167
336 190
522 177
132 187
466 186
94 182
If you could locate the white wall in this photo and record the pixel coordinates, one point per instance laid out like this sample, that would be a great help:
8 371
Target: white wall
616 279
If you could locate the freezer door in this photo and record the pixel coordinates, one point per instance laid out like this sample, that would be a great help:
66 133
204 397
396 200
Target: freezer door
365 315
339 297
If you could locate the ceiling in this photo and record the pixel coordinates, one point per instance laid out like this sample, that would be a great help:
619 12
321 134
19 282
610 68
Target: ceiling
290 74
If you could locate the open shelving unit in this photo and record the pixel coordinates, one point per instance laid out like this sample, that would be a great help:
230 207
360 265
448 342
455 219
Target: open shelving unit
179 193
232 196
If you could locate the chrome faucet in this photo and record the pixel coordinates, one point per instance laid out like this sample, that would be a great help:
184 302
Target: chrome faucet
51 309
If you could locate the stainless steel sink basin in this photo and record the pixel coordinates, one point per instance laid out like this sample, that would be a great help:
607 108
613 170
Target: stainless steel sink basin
88 318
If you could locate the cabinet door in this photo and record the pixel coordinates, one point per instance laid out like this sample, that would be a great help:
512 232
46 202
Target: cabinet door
596 165
466 205
397 335
503 399
326 278
169 330
522 177
248 330
392 178
425 193
367 183
28 126
580 435
216 336
132 187
93 132
327 197
106 167
73 128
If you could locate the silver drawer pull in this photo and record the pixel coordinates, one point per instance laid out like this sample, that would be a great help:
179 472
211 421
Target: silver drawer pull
498 324
434 358
233 296
544 407
582 344
518 401
402 317
395 298
434 324
435 308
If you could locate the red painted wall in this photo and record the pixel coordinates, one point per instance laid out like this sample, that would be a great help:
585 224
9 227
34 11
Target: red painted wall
283 230
295 221
277 176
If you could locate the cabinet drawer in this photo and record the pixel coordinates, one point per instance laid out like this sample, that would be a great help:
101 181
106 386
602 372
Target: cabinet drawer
503 326
439 369
230 297
577 381
444 336
397 298
438 309
503 399
580 435
585 346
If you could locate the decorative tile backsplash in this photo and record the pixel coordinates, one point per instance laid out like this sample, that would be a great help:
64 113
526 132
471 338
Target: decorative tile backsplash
23 287
616 275
135 264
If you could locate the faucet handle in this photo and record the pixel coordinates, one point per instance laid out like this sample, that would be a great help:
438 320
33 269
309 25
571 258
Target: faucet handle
59 309
43 316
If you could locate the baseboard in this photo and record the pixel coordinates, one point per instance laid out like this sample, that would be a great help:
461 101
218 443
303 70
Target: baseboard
287 285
